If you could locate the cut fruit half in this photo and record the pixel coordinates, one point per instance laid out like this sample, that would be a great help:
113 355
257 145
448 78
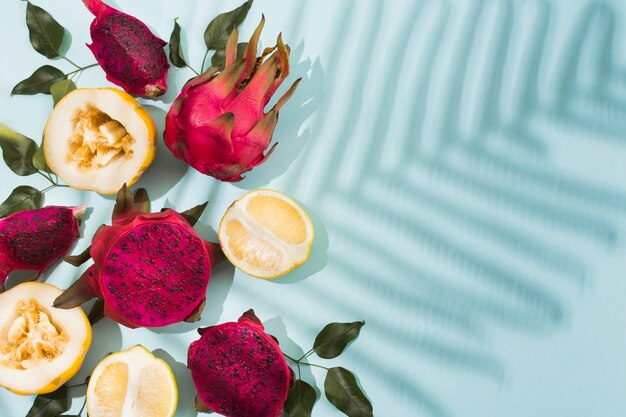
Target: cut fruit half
41 347
266 234
132 383
99 139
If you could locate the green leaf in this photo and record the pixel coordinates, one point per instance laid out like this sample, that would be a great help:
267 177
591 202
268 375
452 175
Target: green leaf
344 393
81 258
141 200
39 82
18 151
22 198
96 313
193 214
176 54
46 34
60 89
218 30
334 338
219 57
300 400
50 405
39 160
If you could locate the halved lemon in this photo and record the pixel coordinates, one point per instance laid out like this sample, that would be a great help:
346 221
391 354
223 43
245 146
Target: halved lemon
99 139
266 234
132 383
41 347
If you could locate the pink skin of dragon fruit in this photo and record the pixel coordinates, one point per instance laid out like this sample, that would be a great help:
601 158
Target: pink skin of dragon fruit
150 269
128 52
34 239
239 370
218 124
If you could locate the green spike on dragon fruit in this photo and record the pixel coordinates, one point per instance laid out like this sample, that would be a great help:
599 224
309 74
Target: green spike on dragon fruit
151 269
218 123
128 52
34 239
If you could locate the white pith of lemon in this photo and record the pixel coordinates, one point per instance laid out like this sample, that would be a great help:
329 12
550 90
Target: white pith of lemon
132 383
41 347
99 139
266 234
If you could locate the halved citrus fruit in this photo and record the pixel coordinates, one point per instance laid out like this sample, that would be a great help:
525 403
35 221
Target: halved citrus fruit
41 347
132 383
266 234
99 139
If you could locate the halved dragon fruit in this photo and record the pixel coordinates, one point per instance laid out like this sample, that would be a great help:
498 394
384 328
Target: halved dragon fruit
34 239
151 269
128 52
239 370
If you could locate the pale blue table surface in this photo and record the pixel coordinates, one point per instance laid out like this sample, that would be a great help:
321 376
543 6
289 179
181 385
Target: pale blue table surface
464 165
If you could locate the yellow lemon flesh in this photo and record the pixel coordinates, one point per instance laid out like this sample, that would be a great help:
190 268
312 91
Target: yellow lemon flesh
99 139
132 383
41 347
266 234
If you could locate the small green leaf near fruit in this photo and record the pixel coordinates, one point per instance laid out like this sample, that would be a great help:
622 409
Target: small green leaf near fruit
23 197
300 399
45 33
343 391
334 338
50 405
39 81
17 151
60 89
218 30
176 53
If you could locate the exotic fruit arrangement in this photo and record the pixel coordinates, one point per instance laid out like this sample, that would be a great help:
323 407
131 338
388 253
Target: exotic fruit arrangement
130 54
218 124
34 239
239 370
151 269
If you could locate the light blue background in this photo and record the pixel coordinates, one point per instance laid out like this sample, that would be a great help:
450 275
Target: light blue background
463 162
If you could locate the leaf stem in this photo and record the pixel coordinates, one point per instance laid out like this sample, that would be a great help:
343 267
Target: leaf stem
299 362
81 69
290 358
195 72
312 364
48 188
305 355
70 61
46 176
206 54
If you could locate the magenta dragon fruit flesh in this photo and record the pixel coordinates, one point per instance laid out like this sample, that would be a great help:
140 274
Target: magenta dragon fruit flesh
239 370
34 239
218 123
128 52
151 269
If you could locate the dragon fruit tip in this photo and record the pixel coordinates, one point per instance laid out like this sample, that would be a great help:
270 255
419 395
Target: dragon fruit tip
155 90
79 211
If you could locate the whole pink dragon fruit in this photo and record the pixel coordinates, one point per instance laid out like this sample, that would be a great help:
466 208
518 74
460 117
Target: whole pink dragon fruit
128 52
34 239
239 370
217 124
150 269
